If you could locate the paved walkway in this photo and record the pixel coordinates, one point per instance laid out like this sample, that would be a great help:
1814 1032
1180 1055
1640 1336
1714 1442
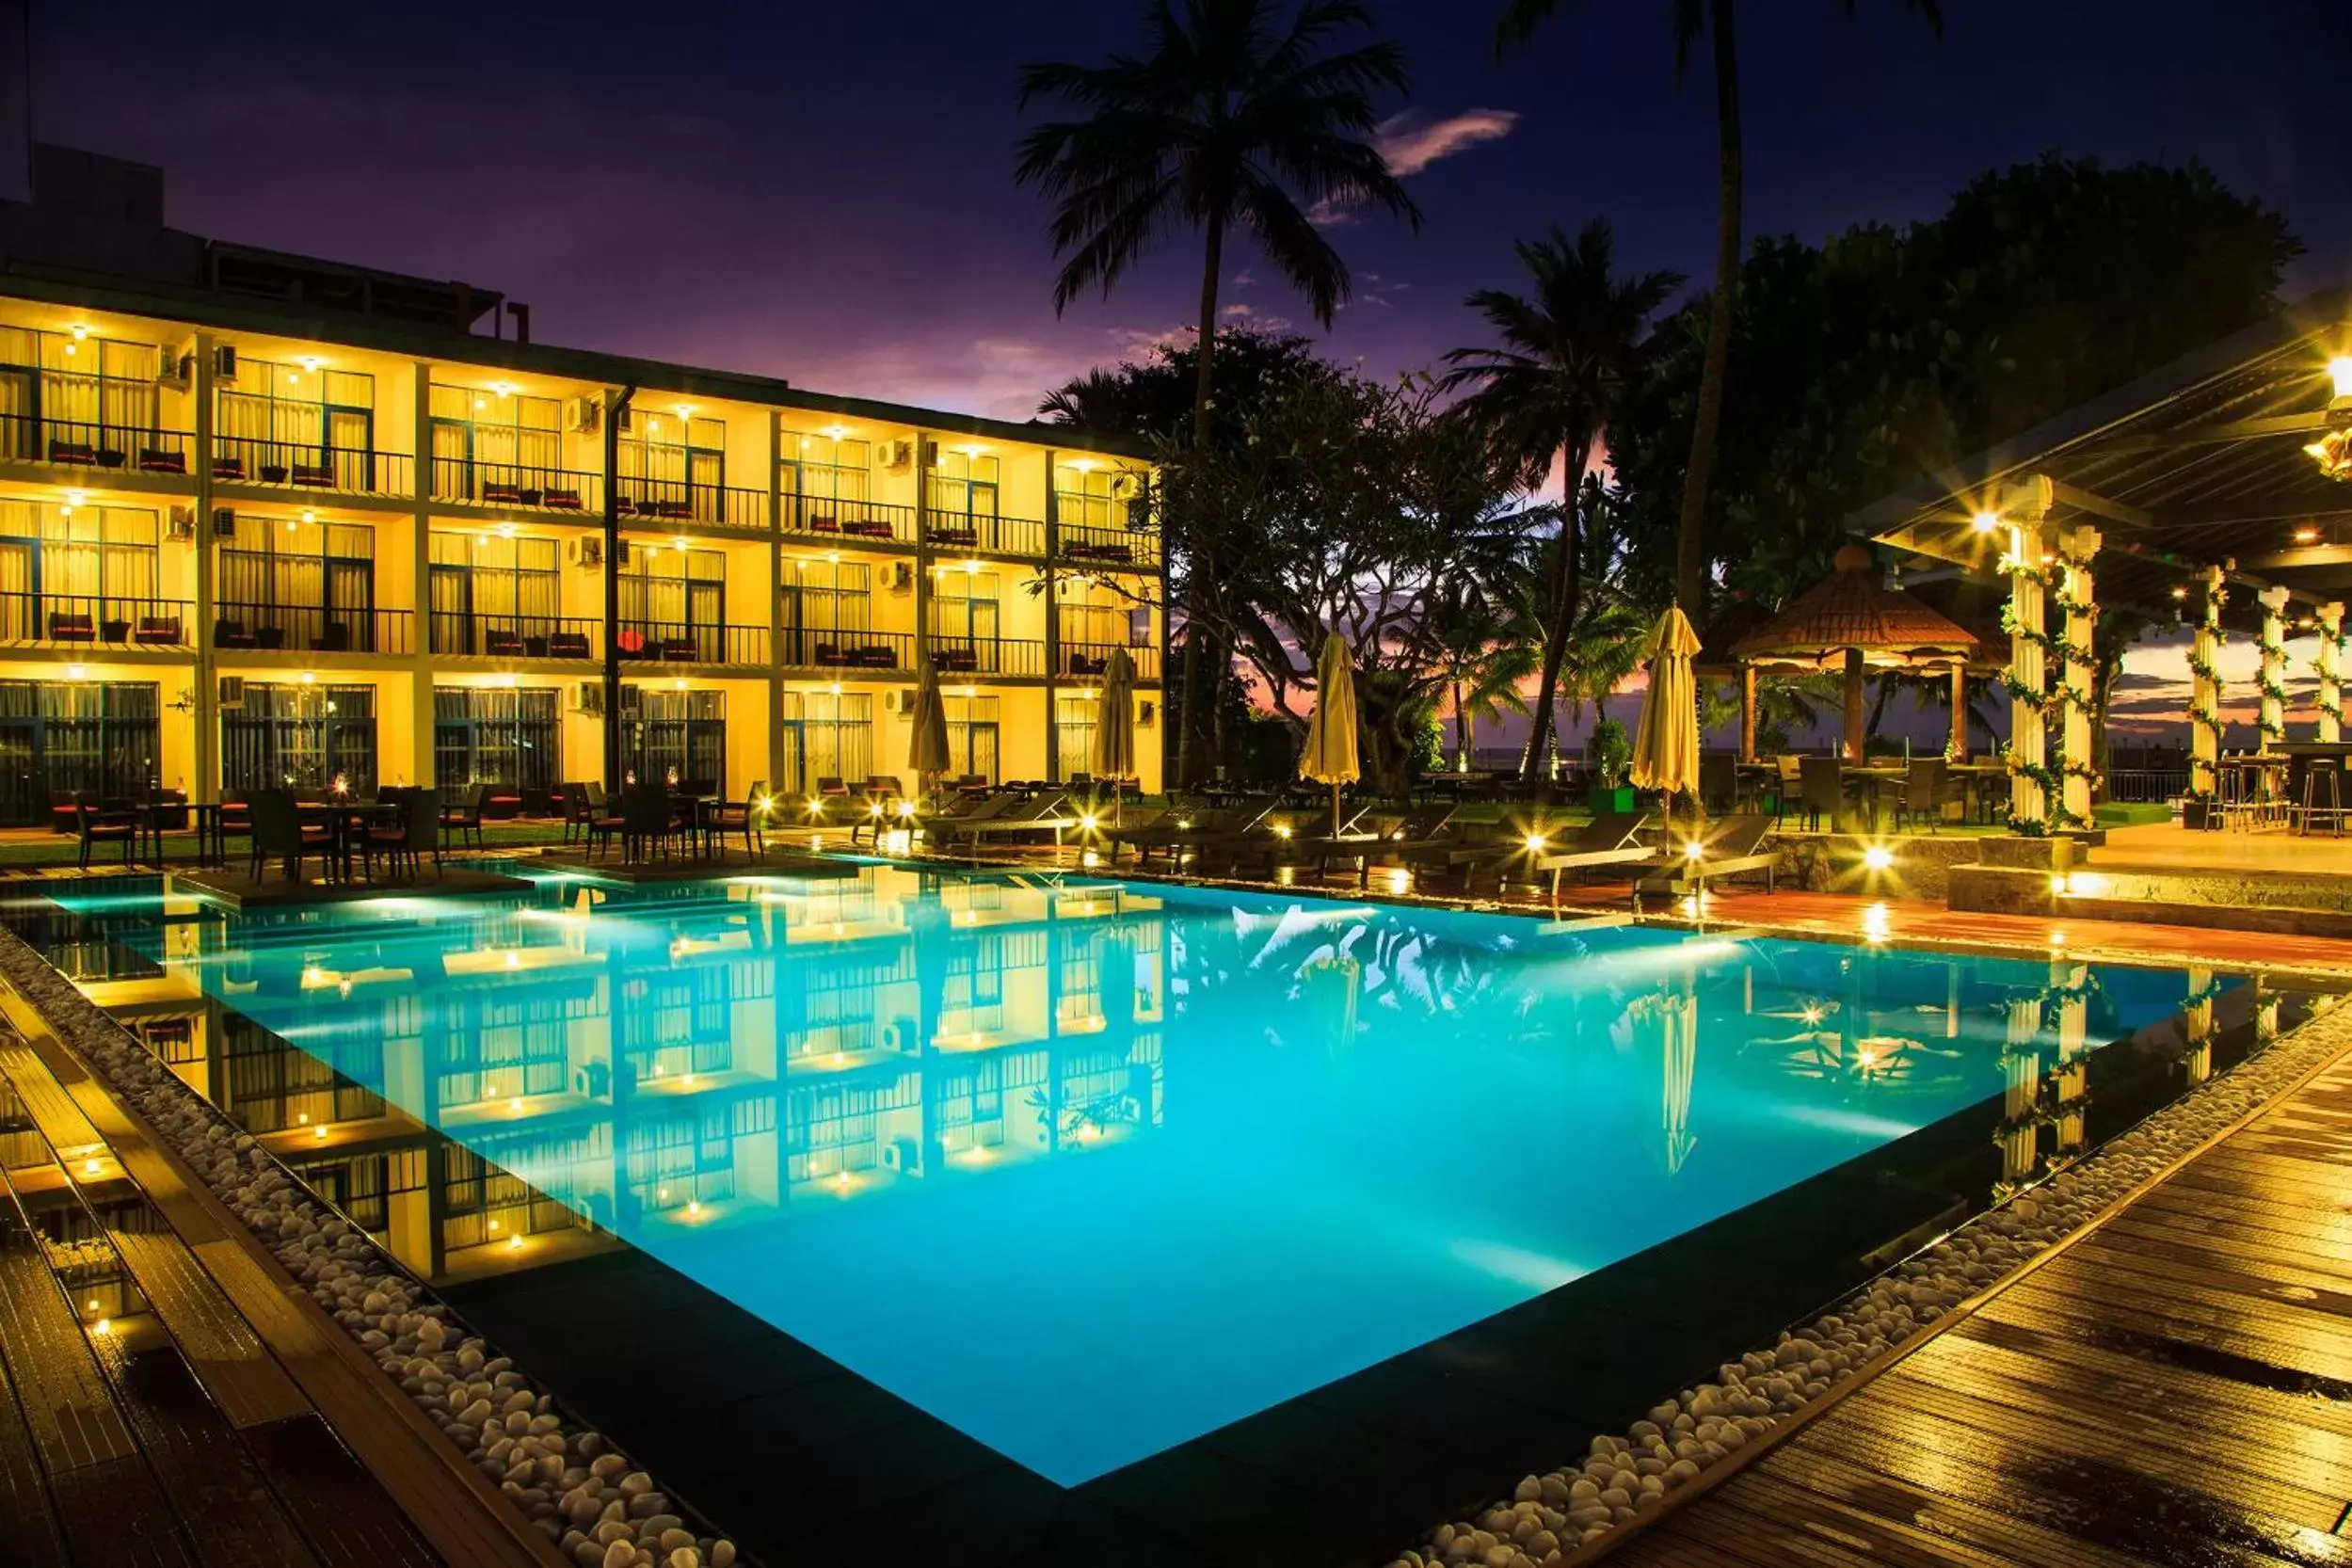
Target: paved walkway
2172 1386
168 1395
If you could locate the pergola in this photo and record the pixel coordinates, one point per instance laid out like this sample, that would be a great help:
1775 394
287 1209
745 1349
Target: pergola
2220 478
1853 622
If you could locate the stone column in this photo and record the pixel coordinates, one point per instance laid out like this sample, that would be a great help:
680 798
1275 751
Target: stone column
2197 1024
2029 675
2020 1135
2330 726
2271 722
2204 705
2072 981
2079 680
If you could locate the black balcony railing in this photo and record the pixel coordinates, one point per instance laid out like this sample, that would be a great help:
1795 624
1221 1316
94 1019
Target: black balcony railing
75 621
460 634
829 648
955 655
988 535
685 501
303 466
1110 547
680 642
310 628
1091 659
848 521
507 487
83 443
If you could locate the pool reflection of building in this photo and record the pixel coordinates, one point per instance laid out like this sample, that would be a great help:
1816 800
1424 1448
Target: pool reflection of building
827 1041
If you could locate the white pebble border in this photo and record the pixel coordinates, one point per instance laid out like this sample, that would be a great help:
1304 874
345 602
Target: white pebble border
1551 1518
570 1482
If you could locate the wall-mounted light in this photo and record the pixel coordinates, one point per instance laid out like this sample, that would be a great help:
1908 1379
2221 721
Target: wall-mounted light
1985 522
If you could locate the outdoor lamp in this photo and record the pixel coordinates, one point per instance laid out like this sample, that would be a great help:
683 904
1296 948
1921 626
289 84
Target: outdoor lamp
1693 850
1985 522
1878 858
906 808
1282 829
1535 842
2333 451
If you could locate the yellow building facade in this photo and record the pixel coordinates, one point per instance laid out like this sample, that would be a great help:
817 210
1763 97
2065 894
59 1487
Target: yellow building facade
273 519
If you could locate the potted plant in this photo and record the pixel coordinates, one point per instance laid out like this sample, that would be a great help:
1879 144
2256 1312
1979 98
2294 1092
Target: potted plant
2200 813
1608 752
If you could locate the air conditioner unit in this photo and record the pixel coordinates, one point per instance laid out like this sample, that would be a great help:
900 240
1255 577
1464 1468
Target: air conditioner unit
224 522
171 371
224 366
895 1034
582 415
901 577
1146 712
182 525
1127 486
894 455
588 697
232 692
587 550
903 1154
897 699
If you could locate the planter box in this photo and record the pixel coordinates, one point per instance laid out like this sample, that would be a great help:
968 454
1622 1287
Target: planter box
1618 799
2016 851
2201 816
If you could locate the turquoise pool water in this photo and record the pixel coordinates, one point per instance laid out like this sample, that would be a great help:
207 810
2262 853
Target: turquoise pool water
1089 1170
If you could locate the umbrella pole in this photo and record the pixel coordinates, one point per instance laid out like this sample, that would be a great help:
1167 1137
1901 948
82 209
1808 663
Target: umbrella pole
1334 808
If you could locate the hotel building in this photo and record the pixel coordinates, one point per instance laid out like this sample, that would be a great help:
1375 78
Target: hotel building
265 517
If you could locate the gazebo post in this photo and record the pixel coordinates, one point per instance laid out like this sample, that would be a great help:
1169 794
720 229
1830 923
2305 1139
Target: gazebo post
1959 712
2331 726
1747 712
2029 673
2204 703
1853 705
2270 721
2076 591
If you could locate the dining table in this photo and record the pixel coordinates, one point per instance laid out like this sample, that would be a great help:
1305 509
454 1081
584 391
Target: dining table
154 818
348 822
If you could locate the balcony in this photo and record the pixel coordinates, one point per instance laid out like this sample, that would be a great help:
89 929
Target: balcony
1117 548
827 648
74 620
310 628
302 466
681 643
517 487
1085 659
951 655
85 444
685 501
987 534
847 521
459 634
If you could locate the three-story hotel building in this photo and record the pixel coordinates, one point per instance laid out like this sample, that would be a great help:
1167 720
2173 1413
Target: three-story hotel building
268 519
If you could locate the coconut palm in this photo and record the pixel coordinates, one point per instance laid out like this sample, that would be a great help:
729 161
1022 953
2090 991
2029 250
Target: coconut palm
1547 394
1232 123
1476 653
1692 20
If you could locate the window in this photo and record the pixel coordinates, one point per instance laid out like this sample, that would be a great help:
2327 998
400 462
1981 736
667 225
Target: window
673 465
1073 734
87 391
492 446
278 416
823 467
826 735
98 561
313 583
495 735
667 593
963 605
1088 496
972 736
76 735
672 734
300 737
964 487
492 594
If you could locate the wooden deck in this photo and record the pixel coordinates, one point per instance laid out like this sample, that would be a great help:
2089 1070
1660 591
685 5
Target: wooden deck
168 1395
2171 1385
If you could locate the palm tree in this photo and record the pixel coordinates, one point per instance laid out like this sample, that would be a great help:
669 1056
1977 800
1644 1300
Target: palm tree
1232 122
1692 20
1474 654
1548 394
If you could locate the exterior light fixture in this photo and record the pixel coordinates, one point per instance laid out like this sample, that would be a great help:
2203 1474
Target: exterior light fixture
76 672
2179 591
2340 371
319 1133
1535 842
309 679
2333 451
2058 938
89 1167
1694 850
2307 535
1985 522
1878 858
80 331
1086 824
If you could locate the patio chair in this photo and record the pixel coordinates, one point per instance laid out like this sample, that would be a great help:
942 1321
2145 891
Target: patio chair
1719 782
466 821
575 800
93 826
1923 794
280 834
1821 790
1788 785
1606 842
647 822
747 817
604 822
417 832
1731 848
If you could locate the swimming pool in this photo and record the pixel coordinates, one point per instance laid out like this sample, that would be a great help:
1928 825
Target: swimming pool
1088 1169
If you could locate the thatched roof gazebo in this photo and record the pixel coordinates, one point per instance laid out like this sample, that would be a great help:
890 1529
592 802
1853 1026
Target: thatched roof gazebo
1856 623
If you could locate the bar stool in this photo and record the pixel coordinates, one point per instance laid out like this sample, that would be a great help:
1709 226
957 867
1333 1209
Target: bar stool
2314 770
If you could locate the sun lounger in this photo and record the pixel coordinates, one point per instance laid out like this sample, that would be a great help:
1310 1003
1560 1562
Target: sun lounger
1183 829
1607 840
1421 828
1731 848
1048 813
1268 842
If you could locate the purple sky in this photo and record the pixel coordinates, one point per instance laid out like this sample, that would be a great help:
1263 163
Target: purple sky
824 192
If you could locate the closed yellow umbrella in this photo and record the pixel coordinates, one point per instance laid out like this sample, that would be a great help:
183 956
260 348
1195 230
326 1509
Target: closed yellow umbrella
927 746
1113 754
1666 747
1329 754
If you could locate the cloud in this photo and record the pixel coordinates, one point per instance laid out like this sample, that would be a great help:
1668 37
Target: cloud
1244 279
1241 313
1409 144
